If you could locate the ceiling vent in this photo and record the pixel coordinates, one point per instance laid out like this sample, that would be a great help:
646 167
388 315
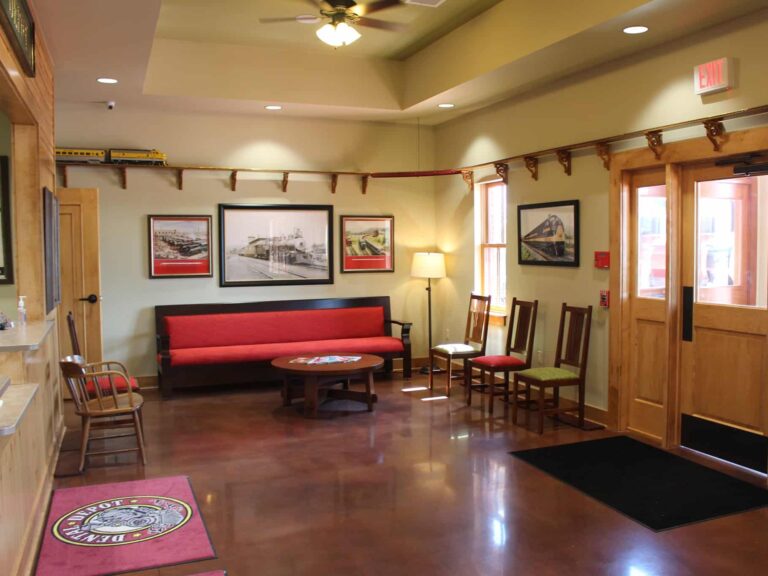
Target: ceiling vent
427 3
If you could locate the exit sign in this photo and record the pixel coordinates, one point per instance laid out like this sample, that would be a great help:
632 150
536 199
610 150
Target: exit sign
714 76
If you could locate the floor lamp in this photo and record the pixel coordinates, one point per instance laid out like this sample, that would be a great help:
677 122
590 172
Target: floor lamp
428 265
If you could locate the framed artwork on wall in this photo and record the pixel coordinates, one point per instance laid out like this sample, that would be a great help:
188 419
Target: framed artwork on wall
272 245
548 234
367 243
179 246
51 250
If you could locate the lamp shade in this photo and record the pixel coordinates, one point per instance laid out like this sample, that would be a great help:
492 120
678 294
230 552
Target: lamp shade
428 265
337 34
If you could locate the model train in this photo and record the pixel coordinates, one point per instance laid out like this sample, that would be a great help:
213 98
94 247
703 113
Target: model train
548 237
111 156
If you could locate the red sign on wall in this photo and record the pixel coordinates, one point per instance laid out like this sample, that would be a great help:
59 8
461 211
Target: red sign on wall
714 76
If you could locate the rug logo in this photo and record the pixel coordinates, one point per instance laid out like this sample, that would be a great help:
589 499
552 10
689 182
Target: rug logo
121 521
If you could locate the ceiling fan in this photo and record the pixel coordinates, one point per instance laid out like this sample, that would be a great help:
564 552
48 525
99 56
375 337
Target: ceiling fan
341 18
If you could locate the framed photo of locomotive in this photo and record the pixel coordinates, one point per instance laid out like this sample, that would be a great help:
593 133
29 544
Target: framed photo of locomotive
180 246
548 234
271 245
367 243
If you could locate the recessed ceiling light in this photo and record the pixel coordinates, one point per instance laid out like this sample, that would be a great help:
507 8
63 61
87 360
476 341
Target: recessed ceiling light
273 107
106 80
635 29
446 105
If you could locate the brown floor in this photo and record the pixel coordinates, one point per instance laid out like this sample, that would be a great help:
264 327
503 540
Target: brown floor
416 488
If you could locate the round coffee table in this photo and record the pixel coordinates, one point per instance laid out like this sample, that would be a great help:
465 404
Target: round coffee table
316 376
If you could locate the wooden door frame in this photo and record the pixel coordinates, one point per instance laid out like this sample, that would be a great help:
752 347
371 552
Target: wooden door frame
671 159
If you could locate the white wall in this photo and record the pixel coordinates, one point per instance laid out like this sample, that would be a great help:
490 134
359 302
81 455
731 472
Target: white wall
129 294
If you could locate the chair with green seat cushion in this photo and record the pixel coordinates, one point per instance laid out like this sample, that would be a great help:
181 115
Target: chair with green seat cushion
475 336
572 350
517 355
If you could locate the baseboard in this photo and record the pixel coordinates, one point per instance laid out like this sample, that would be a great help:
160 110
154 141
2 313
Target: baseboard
34 537
146 382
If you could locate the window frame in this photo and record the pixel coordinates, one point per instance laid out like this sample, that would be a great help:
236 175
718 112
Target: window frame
483 245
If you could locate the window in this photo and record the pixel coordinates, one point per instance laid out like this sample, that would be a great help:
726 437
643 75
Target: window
491 269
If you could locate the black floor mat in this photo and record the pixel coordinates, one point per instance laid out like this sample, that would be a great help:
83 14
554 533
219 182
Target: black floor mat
651 486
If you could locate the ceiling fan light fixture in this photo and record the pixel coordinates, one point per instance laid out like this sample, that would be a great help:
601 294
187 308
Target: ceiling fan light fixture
340 34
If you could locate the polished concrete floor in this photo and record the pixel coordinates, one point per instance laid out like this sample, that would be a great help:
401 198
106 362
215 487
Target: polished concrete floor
414 488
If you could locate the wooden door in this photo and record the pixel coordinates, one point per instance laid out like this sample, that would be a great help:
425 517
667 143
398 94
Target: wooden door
646 412
80 273
724 349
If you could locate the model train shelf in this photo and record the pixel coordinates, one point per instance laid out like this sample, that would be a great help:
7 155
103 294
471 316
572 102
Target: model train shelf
111 156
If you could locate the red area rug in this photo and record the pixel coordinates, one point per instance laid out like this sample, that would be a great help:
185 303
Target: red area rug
121 527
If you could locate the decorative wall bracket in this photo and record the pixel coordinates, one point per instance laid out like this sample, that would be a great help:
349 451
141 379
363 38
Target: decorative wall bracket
532 164
502 171
564 157
469 179
285 181
604 152
334 182
715 132
655 142
364 183
233 181
123 177
180 179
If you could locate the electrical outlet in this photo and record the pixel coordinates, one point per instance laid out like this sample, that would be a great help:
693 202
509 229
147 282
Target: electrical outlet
540 356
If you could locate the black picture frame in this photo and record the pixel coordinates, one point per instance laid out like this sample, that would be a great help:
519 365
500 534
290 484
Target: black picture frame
367 244
275 244
51 250
180 246
548 234
6 266
19 27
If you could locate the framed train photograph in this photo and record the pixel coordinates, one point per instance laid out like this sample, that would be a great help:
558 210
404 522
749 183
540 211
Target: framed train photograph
367 243
548 234
268 245
180 246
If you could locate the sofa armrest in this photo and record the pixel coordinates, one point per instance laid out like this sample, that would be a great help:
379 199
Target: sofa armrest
405 328
405 336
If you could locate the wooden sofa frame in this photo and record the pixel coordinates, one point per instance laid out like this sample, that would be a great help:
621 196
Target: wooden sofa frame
172 377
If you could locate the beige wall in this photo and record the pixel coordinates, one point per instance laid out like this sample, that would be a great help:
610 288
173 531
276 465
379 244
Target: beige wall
129 295
634 94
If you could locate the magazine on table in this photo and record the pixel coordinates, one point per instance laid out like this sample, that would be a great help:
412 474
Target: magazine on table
325 359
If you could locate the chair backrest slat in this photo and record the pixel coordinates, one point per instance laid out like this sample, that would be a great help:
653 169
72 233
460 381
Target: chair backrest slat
72 326
91 391
573 337
477 320
522 328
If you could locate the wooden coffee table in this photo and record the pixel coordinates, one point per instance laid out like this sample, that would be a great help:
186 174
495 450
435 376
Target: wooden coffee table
316 376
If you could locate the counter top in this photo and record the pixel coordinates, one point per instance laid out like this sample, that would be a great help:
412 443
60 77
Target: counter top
26 337
13 404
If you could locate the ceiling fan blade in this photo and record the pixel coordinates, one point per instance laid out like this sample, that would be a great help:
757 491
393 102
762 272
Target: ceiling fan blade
381 25
365 9
321 4
275 20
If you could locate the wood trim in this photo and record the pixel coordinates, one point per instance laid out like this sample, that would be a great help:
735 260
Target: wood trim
673 319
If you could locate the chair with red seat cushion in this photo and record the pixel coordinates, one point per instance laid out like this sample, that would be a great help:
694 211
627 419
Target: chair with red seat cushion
109 365
520 334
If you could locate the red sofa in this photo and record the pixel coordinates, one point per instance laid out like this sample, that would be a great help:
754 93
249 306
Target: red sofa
232 343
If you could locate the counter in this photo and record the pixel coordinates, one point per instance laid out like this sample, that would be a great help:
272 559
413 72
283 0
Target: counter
13 404
28 336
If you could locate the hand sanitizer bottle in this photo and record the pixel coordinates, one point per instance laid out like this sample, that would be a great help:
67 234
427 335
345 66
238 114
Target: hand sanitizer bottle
22 311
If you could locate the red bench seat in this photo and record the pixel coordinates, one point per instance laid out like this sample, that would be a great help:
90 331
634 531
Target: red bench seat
199 342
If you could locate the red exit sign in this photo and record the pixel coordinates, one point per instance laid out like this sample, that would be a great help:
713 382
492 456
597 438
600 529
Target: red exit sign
714 76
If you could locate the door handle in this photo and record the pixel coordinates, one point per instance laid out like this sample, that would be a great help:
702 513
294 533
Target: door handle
688 313
92 298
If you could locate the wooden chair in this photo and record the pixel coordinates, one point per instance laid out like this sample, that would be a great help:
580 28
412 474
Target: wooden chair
108 408
572 349
105 365
517 355
475 337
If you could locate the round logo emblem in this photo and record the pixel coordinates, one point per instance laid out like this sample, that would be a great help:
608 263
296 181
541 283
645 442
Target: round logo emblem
121 521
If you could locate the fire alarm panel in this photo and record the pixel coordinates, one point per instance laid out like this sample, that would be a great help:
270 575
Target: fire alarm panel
602 259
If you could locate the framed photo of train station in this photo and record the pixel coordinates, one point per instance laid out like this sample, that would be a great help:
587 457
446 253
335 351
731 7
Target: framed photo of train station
270 245
180 246
367 243
548 234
